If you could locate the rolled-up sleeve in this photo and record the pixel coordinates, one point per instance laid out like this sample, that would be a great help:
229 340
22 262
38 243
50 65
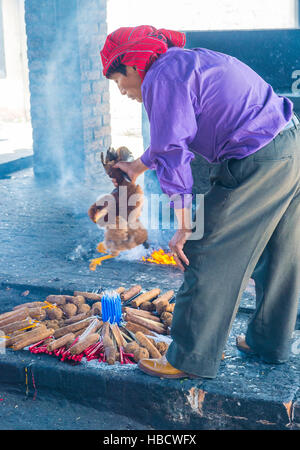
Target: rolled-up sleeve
172 127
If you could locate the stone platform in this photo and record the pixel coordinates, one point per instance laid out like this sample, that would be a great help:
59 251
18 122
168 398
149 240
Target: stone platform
46 242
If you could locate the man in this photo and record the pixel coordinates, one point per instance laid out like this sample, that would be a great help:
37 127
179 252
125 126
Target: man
219 107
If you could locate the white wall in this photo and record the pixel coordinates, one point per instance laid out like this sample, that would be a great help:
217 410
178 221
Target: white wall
14 90
184 15
202 14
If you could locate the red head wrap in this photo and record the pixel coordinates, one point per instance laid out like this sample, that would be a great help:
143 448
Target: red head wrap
138 46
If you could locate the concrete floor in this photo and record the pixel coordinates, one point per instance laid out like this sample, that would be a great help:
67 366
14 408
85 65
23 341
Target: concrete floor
49 411
246 394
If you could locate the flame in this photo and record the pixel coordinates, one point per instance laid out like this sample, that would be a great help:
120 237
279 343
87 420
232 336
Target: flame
160 257
156 257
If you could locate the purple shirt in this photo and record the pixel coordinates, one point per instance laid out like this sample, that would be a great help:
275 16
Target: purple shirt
211 103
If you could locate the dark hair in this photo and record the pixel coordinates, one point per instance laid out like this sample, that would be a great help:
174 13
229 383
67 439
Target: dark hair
121 68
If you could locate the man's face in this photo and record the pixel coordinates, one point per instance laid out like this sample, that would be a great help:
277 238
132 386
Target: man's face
130 84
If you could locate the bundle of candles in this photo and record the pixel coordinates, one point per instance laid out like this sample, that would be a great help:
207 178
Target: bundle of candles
111 307
94 351
116 325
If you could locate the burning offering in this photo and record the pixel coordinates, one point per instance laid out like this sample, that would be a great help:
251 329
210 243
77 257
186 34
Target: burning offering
160 257
119 211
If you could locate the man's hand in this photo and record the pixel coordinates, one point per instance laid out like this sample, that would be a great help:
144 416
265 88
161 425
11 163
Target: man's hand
180 237
176 245
133 169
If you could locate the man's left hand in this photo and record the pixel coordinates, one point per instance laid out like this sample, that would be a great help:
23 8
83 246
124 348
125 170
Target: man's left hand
176 245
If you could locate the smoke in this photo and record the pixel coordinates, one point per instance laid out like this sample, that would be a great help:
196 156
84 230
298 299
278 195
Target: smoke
59 131
57 83
134 254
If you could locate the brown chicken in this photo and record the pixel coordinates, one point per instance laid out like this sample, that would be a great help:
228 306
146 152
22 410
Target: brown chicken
123 229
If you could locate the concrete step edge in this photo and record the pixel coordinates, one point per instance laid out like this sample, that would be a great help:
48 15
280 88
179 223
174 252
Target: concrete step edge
174 404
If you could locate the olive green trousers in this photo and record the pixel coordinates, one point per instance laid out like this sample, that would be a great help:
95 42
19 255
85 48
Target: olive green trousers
251 229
